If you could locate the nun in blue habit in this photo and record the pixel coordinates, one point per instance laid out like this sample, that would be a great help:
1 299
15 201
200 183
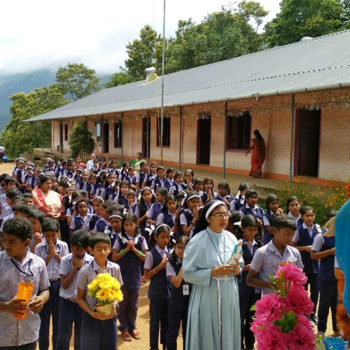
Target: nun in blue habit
209 263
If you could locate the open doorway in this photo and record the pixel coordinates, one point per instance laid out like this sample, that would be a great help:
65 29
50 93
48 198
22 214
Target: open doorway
203 139
307 142
146 139
105 138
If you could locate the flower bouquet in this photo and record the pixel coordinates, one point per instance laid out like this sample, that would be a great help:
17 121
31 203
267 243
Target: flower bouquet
106 291
281 318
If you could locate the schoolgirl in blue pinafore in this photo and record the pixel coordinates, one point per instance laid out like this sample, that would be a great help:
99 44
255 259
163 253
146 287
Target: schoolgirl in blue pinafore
251 208
187 217
179 295
130 259
239 200
158 291
178 185
156 208
327 283
144 205
248 296
304 236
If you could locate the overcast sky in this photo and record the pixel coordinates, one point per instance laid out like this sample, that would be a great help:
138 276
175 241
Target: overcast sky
49 33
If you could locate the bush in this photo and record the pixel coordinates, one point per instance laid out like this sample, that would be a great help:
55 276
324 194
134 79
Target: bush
81 141
320 198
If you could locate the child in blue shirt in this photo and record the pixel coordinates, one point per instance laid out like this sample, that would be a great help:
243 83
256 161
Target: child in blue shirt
51 250
18 264
69 311
268 258
99 330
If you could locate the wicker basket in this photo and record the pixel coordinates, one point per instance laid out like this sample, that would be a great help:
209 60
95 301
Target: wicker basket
106 309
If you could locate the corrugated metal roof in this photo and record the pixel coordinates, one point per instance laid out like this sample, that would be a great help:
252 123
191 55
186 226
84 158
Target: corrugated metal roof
315 64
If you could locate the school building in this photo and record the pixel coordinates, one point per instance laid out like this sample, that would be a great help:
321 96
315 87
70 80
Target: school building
297 95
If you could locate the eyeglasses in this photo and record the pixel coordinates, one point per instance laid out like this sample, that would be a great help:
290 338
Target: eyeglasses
221 215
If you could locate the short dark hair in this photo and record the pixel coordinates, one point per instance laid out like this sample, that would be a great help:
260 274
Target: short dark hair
251 192
35 213
284 221
80 238
271 198
20 207
306 208
19 227
249 220
98 237
49 224
10 193
9 179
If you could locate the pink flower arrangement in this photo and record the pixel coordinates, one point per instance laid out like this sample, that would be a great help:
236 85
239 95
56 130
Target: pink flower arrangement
280 321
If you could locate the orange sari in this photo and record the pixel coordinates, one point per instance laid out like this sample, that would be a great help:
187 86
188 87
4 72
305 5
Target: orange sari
50 204
258 157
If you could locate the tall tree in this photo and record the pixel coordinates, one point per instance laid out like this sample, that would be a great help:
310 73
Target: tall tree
220 36
77 81
299 18
143 53
21 137
81 141
119 78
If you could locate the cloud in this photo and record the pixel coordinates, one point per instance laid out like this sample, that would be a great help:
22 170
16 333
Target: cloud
46 34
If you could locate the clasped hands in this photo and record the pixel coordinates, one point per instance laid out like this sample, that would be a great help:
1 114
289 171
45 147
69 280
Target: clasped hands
224 270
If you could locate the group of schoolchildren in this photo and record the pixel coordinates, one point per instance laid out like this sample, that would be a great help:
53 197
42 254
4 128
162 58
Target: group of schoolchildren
136 228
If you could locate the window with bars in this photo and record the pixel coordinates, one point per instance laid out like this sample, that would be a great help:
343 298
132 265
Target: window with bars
118 134
166 131
238 131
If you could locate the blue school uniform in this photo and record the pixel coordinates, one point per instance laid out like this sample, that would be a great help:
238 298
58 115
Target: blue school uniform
168 183
177 188
158 182
52 306
178 305
69 310
247 297
267 236
121 199
140 178
185 219
304 238
158 293
112 236
155 210
131 179
228 198
149 179
100 225
259 214
78 222
327 283
131 270
238 202
96 334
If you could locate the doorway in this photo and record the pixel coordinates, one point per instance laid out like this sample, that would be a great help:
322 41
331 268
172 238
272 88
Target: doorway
61 138
203 139
146 137
105 138
307 142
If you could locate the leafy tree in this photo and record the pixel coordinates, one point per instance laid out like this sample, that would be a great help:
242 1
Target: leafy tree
81 141
252 11
77 81
21 137
299 18
143 53
222 35
117 79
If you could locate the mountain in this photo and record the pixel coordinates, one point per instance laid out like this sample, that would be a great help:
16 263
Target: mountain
25 82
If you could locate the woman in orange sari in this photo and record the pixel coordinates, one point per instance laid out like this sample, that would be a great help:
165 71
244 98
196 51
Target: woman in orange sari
46 199
258 149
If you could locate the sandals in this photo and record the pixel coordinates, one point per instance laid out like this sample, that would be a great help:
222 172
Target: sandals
126 336
135 334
